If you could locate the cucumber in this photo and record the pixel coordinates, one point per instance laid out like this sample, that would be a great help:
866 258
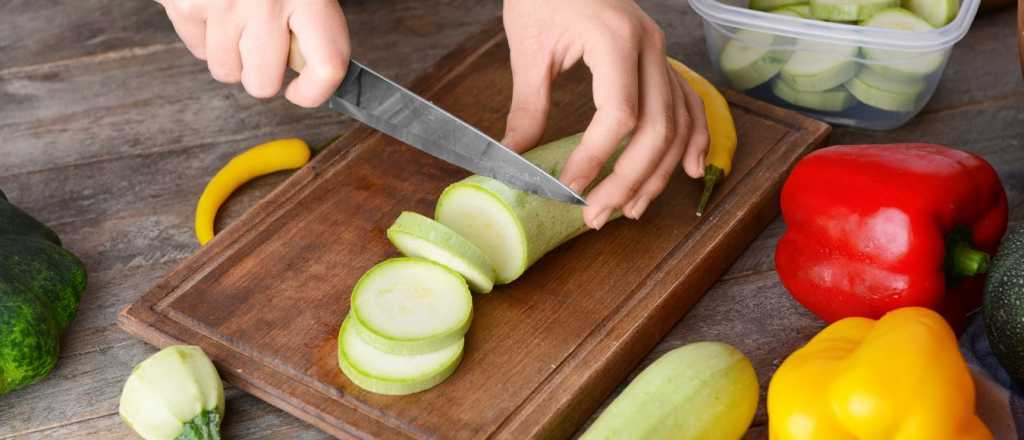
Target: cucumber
385 373
418 236
849 10
768 5
514 229
937 13
802 10
882 99
1003 306
902 64
818 66
704 390
751 58
833 100
412 305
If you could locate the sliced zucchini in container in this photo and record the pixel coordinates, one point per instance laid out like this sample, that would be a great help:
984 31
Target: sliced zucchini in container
879 98
937 13
802 10
751 58
902 64
411 305
849 10
419 236
386 373
832 100
768 5
880 81
817 66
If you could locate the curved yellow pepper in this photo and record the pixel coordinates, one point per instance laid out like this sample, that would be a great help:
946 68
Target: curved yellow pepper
263 159
721 129
901 377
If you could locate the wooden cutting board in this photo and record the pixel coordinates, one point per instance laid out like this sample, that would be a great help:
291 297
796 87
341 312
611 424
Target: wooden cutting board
265 298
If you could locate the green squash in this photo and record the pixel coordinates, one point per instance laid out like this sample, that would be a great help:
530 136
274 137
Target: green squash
1004 304
40 286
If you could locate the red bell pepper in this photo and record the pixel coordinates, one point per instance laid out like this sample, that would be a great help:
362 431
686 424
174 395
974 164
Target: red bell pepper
872 228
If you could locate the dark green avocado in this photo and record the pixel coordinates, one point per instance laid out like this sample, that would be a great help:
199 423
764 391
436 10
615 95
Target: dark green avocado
1004 304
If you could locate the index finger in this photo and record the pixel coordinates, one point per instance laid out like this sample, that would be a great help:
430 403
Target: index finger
320 30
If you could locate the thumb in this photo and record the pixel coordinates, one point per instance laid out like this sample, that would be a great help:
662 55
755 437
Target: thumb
531 101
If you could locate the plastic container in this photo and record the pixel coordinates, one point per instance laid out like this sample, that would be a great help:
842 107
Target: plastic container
841 66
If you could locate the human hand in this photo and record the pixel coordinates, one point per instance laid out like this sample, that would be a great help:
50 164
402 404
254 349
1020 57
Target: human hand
248 42
635 91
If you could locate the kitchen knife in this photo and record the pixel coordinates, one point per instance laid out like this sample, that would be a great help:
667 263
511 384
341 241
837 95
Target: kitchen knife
380 103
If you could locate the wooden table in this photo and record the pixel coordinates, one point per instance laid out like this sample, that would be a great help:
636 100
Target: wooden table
110 129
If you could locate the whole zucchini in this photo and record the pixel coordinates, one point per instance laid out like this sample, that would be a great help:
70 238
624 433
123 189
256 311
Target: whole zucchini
40 286
1004 304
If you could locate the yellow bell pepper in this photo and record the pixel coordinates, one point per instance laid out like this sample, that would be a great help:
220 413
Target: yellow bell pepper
721 129
901 377
263 159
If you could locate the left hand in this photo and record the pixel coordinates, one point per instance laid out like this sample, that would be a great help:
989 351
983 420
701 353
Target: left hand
635 91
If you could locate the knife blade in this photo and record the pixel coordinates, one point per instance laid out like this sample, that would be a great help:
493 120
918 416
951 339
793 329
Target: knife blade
388 107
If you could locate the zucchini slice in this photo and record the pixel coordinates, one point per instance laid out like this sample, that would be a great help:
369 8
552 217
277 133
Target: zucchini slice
419 236
818 66
385 373
849 10
902 64
751 58
879 98
834 100
412 303
768 5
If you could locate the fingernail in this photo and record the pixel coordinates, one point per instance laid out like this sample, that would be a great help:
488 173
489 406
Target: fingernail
640 206
576 186
601 218
628 209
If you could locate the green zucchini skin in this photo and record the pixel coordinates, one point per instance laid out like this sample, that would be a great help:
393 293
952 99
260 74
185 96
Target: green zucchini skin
1004 304
41 284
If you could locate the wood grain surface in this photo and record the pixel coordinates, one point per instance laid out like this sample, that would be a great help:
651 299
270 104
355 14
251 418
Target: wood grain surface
265 298
122 196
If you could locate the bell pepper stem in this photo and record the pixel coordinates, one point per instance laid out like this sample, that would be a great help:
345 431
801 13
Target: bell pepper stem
712 175
967 261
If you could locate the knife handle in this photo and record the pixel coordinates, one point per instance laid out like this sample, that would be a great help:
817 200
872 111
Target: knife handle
295 60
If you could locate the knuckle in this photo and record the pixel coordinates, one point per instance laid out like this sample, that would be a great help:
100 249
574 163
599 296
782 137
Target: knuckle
657 184
624 117
588 163
656 37
623 26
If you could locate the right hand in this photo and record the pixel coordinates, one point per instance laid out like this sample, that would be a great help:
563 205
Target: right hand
248 41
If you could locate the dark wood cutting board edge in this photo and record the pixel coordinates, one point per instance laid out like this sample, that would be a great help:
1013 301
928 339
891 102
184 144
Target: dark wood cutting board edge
733 221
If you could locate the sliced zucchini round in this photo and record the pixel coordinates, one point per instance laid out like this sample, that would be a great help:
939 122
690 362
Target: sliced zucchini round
392 374
416 235
849 10
880 81
768 5
883 99
802 10
412 301
833 100
937 13
902 64
750 58
817 66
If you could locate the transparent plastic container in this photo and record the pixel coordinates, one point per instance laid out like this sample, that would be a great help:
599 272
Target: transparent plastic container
846 74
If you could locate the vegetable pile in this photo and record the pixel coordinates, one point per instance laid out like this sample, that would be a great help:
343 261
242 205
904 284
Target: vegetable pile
832 77
41 284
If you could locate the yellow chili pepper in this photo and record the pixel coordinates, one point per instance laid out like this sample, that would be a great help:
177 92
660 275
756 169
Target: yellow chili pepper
721 128
901 377
263 159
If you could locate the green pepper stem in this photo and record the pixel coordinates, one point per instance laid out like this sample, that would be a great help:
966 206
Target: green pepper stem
967 261
712 174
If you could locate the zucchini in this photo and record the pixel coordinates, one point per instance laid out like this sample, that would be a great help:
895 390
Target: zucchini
752 58
1003 306
937 13
902 64
849 10
175 394
882 99
512 228
834 100
418 236
411 305
817 66
802 10
768 5
704 390
394 374
41 284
